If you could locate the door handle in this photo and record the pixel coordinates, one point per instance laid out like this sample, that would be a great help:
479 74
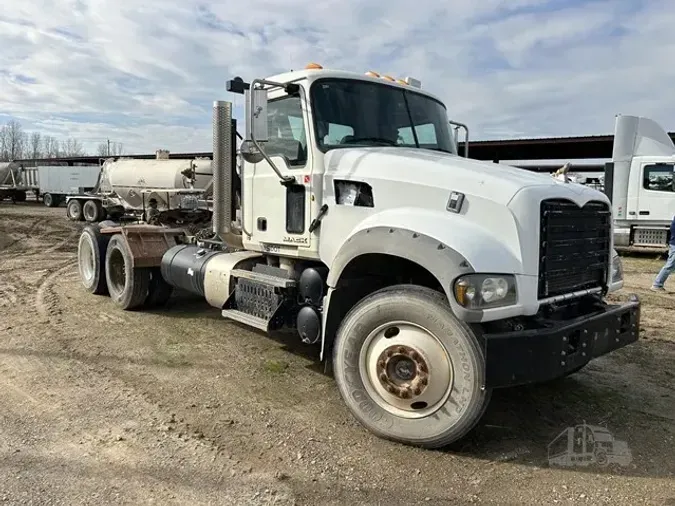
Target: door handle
644 213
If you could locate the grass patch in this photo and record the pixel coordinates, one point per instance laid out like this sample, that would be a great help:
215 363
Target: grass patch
276 366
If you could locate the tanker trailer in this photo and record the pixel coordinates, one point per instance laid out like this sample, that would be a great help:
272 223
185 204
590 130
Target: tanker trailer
163 191
15 181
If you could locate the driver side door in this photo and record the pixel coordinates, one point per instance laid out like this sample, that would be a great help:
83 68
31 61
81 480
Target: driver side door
278 216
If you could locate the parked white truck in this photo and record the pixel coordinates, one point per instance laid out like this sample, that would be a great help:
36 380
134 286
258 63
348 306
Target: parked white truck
425 279
639 182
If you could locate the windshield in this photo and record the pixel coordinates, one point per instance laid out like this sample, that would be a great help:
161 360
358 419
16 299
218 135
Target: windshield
348 112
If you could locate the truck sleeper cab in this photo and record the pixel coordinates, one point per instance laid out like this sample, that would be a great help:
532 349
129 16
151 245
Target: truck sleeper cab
423 278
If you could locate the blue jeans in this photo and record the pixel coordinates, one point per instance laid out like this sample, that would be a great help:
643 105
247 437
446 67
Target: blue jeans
667 269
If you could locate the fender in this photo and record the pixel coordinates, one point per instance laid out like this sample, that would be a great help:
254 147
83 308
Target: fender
444 244
416 234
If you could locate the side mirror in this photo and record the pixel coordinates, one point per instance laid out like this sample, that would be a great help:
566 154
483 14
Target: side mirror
250 153
256 115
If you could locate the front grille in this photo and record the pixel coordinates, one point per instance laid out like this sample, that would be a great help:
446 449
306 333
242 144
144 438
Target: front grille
575 246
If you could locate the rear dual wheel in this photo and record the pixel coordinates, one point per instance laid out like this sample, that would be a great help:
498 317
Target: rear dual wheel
93 211
408 370
91 253
105 267
74 210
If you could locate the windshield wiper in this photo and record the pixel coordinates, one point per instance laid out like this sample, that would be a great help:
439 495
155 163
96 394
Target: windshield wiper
388 142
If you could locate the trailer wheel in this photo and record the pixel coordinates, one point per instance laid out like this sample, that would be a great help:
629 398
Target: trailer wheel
128 286
92 211
49 200
74 210
160 291
408 370
91 253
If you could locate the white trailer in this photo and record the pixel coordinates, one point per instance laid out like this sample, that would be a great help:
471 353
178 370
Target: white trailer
57 182
424 280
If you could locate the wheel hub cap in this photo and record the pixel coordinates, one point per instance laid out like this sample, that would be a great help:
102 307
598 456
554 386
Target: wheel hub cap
406 369
402 371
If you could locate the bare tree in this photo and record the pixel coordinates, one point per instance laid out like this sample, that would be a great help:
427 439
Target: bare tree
35 145
102 149
15 140
72 147
3 144
117 148
110 149
50 147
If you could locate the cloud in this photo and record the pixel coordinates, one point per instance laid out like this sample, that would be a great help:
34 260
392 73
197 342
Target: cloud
145 74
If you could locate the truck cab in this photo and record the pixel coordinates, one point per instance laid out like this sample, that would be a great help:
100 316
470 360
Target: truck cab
639 182
423 279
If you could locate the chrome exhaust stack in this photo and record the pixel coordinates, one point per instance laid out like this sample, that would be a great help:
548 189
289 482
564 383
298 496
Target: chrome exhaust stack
222 177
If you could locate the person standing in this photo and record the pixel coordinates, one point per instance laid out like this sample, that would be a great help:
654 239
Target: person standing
668 268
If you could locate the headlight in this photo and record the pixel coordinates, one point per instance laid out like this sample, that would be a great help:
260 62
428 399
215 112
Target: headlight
483 291
617 268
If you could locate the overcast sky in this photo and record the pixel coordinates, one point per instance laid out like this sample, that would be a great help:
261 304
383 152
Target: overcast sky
145 73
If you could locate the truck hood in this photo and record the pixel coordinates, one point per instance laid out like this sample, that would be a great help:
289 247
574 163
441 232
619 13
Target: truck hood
421 167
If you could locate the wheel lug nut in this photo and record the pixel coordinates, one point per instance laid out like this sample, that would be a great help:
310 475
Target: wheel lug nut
414 355
418 391
383 377
424 381
391 389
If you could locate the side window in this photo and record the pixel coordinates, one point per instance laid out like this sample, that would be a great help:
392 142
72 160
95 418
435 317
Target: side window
287 136
658 177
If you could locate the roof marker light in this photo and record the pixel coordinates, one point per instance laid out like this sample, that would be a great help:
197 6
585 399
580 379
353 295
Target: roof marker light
313 66
411 81
388 78
372 74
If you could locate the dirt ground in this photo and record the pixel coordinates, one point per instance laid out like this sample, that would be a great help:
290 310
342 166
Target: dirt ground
177 406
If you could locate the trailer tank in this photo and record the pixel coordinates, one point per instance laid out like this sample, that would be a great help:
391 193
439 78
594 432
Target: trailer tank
128 178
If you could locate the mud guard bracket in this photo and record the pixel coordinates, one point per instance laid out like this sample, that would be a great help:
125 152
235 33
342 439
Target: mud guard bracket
146 243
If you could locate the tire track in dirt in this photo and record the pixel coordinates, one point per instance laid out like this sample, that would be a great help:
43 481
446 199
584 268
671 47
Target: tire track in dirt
45 298
98 375
23 236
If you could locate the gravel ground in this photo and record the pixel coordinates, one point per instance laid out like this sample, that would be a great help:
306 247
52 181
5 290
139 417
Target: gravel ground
177 406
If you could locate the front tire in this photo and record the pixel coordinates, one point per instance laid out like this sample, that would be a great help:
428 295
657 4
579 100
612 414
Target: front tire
408 370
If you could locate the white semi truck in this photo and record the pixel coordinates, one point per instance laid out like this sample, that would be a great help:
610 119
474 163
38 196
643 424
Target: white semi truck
424 280
639 182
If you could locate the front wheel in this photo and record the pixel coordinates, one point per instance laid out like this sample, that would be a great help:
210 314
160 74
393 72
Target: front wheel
408 370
